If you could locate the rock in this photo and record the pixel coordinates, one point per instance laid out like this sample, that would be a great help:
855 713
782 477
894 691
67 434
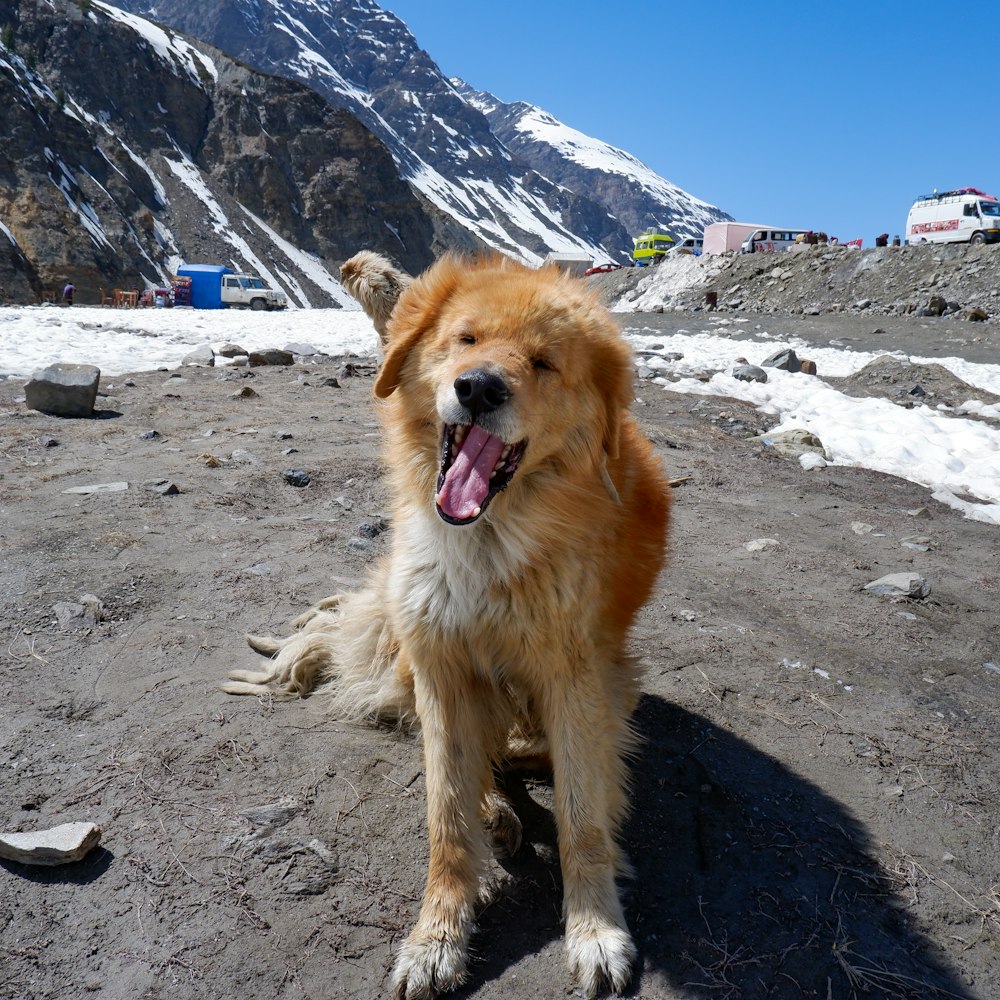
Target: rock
245 393
862 303
919 543
98 488
792 443
303 349
48 442
936 306
749 373
231 351
87 610
271 356
811 460
243 457
162 486
975 314
69 614
64 390
760 544
296 477
270 817
58 846
202 356
900 585
93 606
807 367
373 528
149 435
787 360
331 383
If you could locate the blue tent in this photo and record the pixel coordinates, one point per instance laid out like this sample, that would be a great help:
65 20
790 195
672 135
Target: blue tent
206 284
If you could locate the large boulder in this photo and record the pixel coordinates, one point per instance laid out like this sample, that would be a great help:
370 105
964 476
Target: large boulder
64 390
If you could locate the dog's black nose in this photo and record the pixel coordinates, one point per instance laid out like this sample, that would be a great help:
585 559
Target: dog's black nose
481 391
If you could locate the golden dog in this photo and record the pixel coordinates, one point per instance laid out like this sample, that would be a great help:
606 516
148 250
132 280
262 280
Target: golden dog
529 519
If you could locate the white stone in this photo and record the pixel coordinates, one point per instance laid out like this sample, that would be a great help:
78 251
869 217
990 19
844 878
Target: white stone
56 846
98 488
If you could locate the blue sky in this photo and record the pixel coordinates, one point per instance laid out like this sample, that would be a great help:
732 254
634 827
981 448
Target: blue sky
812 115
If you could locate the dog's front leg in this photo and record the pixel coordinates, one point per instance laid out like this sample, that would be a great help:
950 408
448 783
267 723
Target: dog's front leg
455 726
586 739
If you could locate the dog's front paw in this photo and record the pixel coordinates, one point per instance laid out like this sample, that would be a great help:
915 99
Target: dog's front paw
426 967
600 956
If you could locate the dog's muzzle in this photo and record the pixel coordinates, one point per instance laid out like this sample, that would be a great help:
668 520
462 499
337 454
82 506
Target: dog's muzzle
476 465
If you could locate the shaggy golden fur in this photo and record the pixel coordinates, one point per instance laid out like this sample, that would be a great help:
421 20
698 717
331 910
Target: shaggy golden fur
377 286
499 619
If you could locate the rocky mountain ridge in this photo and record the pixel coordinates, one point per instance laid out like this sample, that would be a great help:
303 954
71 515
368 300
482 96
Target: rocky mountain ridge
637 196
456 147
176 152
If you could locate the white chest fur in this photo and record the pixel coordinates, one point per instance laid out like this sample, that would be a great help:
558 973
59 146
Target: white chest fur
450 577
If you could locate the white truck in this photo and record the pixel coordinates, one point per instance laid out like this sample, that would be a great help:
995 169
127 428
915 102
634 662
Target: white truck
213 286
247 291
966 215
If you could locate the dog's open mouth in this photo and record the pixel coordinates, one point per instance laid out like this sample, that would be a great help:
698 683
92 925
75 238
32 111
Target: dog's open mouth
475 467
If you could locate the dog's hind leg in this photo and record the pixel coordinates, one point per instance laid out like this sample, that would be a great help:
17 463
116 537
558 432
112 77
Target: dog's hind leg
343 652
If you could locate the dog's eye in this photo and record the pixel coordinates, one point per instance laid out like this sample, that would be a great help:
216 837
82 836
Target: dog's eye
541 364
466 338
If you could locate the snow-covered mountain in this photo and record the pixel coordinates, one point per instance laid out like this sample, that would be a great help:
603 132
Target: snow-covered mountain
461 150
634 193
128 149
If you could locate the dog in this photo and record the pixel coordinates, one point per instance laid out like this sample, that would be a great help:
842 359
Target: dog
529 526
377 286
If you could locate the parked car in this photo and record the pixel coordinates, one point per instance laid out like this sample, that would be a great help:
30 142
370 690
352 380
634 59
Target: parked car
603 268
688 245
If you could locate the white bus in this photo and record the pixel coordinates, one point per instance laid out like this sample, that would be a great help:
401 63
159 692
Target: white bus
771 240
963 216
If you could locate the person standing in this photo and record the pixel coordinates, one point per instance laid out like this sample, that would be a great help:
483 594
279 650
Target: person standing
68 293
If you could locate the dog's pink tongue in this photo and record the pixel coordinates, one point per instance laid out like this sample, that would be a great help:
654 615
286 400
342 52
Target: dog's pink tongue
468 480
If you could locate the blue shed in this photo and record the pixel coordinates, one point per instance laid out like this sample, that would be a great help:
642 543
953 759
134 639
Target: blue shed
206 284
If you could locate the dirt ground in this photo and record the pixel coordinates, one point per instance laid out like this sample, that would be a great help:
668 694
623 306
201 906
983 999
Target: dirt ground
816 804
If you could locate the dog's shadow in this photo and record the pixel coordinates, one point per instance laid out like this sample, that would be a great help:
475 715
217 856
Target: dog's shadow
749 882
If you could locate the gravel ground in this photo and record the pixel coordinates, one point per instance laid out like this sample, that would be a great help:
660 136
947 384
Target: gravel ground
815 796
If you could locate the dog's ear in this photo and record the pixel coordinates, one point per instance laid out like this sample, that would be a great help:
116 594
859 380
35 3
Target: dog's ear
615 379
416 312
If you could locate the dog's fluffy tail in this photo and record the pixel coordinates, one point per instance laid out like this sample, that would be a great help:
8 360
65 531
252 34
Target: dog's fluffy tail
343 652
